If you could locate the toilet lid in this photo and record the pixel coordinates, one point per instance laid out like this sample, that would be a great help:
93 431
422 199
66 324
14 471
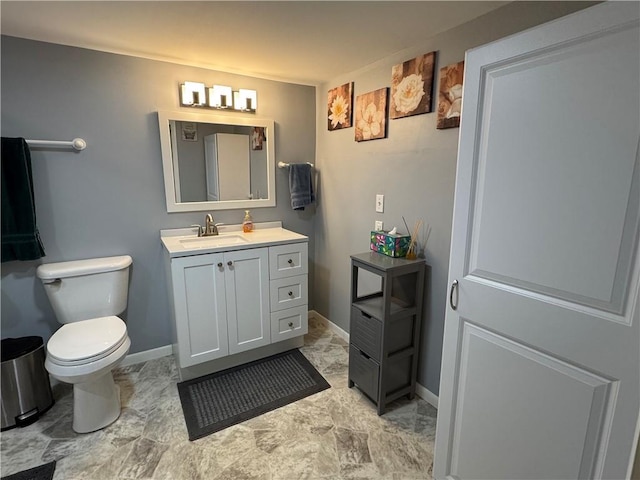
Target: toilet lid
87 339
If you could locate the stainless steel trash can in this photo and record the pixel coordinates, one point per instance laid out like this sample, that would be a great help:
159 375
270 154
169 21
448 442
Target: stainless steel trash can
26 390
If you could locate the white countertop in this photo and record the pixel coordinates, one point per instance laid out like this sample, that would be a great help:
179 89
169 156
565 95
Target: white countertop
183 242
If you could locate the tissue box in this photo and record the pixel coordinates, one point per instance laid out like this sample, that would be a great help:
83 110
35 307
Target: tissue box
391 245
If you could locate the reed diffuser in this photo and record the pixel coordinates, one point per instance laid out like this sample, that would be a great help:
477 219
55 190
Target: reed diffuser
412 253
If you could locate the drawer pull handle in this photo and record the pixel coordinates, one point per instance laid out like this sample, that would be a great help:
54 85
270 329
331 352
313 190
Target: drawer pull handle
291 294
219 264
364 355
290 324
290 262
229 263
366 315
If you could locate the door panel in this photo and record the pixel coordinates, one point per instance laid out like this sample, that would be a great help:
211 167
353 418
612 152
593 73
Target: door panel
540 369
567 406
523 210
199 292
233 166
247 282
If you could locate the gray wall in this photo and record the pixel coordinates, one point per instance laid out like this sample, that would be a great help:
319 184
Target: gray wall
415 170
109 199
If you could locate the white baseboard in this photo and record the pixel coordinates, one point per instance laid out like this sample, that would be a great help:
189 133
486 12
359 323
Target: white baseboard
427 395
421 390
330 325
147 355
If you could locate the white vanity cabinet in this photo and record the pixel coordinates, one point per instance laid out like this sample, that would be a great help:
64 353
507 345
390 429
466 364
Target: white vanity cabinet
222 301
237 303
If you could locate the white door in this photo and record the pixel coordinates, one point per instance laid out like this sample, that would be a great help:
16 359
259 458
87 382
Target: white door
247 293
211 168
541 358
234 177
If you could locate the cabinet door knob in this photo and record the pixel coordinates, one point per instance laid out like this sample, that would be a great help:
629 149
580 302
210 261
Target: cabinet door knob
290 262
229 263
290 324
291 294
219 264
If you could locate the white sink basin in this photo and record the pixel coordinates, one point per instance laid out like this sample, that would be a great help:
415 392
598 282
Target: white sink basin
213 241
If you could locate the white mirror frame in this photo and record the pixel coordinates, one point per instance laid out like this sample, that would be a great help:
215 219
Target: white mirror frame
168 166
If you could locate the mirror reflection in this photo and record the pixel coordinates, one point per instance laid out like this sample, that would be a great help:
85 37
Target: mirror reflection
218 162
214 162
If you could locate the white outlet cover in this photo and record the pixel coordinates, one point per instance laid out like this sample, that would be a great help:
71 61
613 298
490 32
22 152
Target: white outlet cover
379 225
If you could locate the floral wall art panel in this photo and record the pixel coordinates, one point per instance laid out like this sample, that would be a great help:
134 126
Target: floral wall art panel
412 86
258 137
450 95
371 115
339 105
189 132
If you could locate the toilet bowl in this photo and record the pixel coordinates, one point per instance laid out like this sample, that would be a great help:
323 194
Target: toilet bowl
84 351
88 365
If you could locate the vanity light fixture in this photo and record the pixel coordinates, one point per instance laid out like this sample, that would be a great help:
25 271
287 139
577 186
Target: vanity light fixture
220 96
192 94
245 100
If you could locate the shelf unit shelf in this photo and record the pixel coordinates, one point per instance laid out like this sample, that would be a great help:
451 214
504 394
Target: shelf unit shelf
375 306
385 328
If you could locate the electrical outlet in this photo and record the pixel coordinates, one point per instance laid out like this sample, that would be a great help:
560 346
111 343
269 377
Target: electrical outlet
379 203
379 226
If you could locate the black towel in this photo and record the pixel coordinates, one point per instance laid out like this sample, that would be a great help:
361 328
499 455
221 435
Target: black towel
301 185
20 237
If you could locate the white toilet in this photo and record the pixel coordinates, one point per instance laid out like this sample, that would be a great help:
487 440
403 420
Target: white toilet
86 296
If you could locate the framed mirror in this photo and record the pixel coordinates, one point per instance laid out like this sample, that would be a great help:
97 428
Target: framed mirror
216 162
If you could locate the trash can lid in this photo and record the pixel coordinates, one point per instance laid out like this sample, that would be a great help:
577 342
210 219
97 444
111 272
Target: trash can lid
13 348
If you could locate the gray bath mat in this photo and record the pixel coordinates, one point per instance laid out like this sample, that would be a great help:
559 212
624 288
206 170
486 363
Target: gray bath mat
219 400
43 472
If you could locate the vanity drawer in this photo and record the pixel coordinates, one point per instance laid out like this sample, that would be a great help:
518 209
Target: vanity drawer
289 323
364 372
366 333
288 260
289 292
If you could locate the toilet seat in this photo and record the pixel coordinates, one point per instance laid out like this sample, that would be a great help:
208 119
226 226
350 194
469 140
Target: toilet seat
86 341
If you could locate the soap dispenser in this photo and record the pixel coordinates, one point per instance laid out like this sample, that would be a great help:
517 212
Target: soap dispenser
247 223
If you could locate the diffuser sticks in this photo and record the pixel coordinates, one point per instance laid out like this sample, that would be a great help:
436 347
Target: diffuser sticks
413 245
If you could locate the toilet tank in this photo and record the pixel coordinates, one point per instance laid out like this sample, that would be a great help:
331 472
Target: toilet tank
83 289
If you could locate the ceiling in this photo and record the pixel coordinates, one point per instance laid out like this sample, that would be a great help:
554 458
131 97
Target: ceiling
306 42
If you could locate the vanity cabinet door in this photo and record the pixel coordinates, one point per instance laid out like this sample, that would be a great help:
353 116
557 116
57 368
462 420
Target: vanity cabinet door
247 298
200 306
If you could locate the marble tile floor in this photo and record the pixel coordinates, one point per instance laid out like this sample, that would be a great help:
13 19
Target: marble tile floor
334 434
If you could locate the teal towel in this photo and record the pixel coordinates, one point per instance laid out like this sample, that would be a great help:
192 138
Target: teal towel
301 185
20 237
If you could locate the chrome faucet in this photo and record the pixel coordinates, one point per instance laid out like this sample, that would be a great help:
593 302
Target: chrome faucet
210 228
